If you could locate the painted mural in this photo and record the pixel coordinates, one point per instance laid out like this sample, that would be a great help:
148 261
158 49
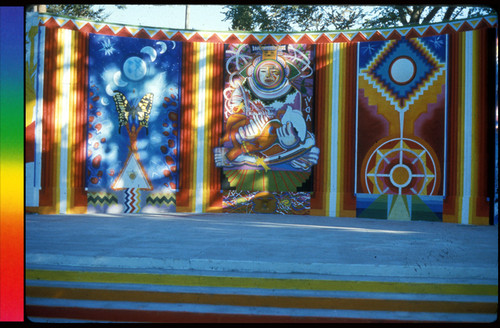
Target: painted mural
393 123
267 143
401 126
133 117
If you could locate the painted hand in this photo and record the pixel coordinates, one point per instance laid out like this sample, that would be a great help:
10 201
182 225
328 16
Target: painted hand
254 128
286 135
220 157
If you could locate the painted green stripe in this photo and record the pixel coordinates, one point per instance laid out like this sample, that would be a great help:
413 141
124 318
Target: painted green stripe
265 301
267 283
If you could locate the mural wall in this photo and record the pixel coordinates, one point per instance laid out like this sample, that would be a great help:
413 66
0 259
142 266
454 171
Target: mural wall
133 124
267 147
392 124
402 106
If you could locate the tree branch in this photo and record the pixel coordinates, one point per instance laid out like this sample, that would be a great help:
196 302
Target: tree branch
431 15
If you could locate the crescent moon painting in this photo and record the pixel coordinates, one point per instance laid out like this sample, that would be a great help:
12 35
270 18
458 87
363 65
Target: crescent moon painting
150 51
117 78
162 45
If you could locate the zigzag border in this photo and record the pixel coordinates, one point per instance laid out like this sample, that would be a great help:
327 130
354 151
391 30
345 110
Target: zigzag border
161 199
101 198
266 37
131 201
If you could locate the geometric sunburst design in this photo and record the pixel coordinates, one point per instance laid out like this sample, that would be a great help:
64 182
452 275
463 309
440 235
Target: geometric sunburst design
403 70
401 166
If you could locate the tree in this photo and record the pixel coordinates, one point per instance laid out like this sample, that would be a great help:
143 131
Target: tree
413 15
289 18
80 11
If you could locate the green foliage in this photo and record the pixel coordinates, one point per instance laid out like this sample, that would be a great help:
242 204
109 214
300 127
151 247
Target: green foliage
290 18
81 11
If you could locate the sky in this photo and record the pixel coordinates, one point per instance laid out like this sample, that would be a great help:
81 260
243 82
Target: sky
201 17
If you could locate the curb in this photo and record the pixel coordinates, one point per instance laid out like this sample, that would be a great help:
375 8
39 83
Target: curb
408 271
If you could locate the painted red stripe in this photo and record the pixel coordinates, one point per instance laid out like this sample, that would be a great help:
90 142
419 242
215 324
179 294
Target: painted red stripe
79 194
215 199
449 202
481 130
49 92
349 200
179 317
182 197
319 127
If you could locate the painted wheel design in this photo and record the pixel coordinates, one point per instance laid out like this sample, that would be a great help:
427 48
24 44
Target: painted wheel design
401 166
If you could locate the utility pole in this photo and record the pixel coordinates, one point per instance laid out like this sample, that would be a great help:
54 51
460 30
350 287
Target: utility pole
186 22
39 8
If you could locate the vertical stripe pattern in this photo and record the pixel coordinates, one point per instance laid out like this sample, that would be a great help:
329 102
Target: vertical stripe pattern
201 128
335 125
64 122
468 125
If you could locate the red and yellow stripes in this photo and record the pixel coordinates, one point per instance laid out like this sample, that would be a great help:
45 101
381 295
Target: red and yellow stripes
77 196
212 198
335 130
322 128
184 197
201 127
64 123
112 296
481 147
469 124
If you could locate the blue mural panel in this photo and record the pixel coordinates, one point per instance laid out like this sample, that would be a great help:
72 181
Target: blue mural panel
134 103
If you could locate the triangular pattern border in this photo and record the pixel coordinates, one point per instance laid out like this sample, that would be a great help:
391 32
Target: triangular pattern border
252 37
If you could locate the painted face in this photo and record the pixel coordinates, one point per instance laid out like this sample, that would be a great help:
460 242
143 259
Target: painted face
269 74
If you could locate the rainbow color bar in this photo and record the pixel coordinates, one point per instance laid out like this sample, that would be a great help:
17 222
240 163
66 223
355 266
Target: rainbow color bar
11 164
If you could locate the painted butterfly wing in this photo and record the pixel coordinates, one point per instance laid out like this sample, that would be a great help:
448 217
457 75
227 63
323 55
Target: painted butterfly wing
122 107
144 109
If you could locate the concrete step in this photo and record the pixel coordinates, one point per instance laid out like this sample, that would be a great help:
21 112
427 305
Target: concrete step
99 296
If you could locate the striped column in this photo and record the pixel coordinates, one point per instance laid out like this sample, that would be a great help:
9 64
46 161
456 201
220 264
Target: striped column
201 128
336 126
63 126
64 109
323 68
201 123
335 130
467 127
212 197
466 199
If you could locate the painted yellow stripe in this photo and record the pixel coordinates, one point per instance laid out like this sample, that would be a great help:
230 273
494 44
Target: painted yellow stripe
194 131
208 125
196 101
57 121
265 301
71 124
266 283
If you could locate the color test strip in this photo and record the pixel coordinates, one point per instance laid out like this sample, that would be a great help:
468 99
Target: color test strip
12 163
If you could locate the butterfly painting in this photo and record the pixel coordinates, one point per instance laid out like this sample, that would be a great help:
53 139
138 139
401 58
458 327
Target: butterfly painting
127 112
124 100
